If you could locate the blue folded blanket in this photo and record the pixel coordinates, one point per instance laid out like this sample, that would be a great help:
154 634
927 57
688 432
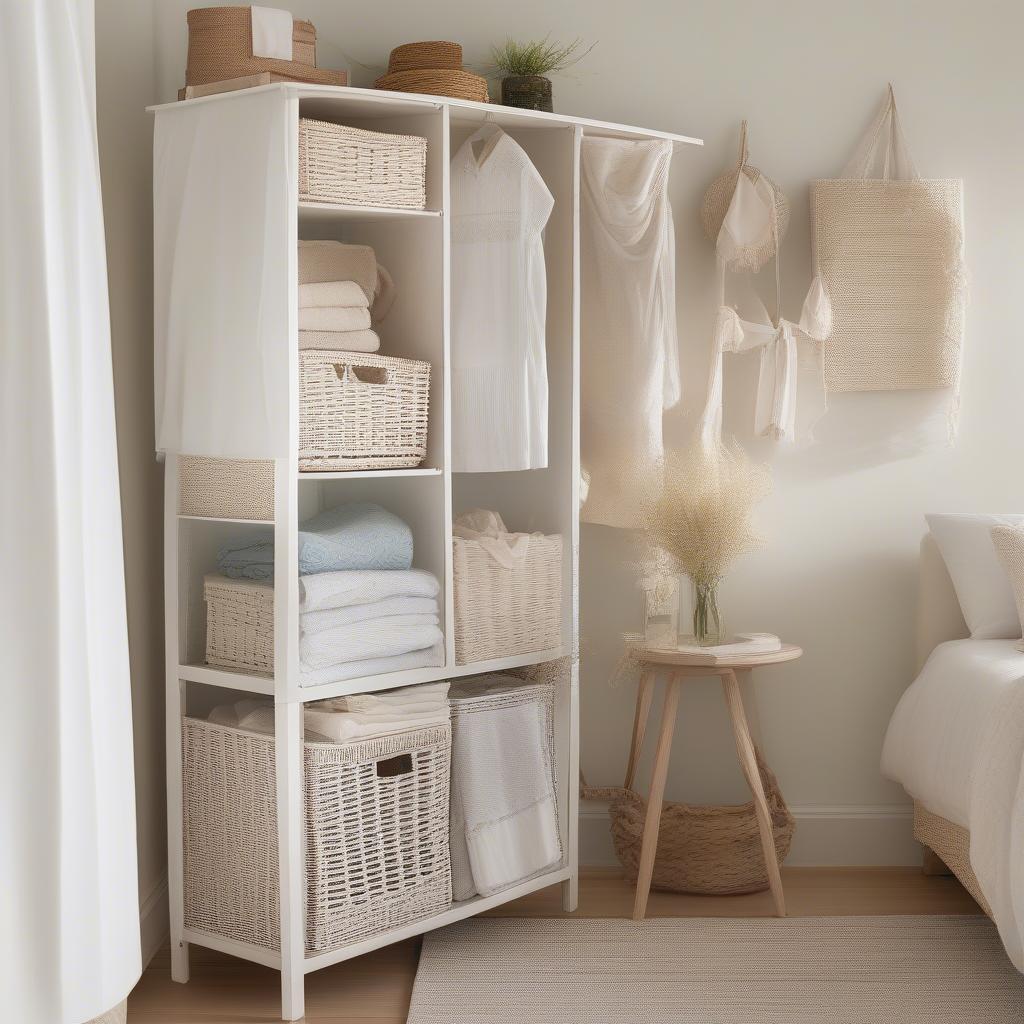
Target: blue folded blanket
357 535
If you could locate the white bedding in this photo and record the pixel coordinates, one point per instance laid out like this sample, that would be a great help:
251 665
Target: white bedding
956 744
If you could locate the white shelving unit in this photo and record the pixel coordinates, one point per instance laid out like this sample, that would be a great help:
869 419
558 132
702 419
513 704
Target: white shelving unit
414 245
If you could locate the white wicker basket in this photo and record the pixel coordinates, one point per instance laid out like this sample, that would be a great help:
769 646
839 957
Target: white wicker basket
239 624
361 411
376 834
226 488
501 612
339 164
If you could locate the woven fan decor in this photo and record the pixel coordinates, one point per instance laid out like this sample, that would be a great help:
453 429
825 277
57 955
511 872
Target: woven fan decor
432 54
713 850
460 85
719 195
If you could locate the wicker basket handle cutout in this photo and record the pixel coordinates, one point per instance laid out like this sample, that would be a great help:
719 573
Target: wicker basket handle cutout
351 373
391 767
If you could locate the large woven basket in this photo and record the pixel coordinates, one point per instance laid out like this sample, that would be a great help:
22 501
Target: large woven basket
220 47
376 834
339 164
239 624
459 85
361 411
502 612
226 488
714 850
429 54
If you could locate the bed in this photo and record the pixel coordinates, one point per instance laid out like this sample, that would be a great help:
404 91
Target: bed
955 743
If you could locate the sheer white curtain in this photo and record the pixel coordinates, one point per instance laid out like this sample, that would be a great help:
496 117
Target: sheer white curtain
69 924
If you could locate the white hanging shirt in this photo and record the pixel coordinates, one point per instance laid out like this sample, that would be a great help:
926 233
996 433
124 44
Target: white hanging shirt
500 205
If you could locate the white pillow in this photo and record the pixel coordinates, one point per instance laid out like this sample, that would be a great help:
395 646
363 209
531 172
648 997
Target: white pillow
981 583
1009 544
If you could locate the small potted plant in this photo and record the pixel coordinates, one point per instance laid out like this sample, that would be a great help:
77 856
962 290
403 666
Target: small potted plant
525 68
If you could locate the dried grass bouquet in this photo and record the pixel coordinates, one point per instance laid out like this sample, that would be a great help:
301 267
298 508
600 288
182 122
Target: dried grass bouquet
700 516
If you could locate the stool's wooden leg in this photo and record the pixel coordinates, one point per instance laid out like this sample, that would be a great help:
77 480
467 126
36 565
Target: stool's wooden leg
652 822
644 693
748 760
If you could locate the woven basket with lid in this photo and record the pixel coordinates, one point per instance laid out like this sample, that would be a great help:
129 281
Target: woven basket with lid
459 85
435 54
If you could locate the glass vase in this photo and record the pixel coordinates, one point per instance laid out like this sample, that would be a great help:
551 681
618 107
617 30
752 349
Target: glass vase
661 618
707 621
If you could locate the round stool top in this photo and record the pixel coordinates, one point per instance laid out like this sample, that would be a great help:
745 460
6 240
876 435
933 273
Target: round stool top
691 659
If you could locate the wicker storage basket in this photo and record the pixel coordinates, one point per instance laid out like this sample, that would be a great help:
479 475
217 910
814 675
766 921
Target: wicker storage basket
361 411
711 850
501 612
432 53
339 164
376 834
239 624
460 85
226 488
220 47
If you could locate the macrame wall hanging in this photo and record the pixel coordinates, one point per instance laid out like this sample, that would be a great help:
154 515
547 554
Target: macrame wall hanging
888 246
746 214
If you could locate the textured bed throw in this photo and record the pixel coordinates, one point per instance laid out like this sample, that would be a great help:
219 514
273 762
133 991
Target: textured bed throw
814 970
356 535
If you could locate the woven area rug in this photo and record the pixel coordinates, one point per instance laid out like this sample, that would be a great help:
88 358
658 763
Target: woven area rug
812 970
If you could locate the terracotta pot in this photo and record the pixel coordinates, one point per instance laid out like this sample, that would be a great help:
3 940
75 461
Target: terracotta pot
531 92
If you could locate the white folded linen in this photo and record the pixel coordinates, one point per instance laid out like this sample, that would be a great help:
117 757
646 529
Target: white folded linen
333 293
330 618
340 728
375 638
334 318
340 341
349 587
421 695
431 657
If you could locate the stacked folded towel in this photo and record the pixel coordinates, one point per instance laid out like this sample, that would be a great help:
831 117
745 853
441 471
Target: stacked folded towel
365 622
343 290
348 719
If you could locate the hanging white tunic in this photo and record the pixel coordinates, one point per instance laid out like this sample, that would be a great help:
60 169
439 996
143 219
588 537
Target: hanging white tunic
500 205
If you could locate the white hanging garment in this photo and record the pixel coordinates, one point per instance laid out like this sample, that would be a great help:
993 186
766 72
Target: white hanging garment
69 906
500 205
750 223
628 318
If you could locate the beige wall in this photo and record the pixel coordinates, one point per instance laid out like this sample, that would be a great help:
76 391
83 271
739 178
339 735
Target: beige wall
838 573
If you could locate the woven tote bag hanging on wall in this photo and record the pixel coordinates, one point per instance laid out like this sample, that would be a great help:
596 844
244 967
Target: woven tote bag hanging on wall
888 245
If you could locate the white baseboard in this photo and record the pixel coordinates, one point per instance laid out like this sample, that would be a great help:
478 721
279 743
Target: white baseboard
836 836
154 921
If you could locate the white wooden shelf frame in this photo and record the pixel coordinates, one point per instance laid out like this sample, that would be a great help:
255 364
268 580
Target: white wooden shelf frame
427 497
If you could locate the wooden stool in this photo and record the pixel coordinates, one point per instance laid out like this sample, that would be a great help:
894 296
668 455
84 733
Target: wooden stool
681 666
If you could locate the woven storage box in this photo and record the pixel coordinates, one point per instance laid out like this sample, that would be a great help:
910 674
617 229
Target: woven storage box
460 85
220 47
432 53
226 488
714 850
361 411
339 164
376 834
501 612
239 624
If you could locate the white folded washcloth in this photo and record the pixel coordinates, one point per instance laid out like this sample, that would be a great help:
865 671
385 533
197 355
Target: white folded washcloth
377 638
432 657
333 293
330 618
334 318
348 587
340 341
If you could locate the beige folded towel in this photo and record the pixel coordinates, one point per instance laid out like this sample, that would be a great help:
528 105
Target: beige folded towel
384 297
332 293
340 341
325 261
334 318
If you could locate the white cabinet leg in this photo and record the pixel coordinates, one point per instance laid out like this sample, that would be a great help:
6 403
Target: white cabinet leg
179 961
571 894
288 737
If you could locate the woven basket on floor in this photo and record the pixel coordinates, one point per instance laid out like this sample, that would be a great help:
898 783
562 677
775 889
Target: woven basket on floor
460 85
711 850
375 834
430 54
339 164
226 488
361 411
239 624
220 47
502 612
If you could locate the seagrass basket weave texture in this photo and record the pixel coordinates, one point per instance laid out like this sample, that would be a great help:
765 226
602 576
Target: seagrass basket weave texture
339 164
226 488
890 256
376 834
430 54
952 844
701 849
220 47
361 411
459 85
239 624
500 612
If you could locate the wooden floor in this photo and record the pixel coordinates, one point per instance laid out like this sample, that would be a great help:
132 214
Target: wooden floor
375 989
